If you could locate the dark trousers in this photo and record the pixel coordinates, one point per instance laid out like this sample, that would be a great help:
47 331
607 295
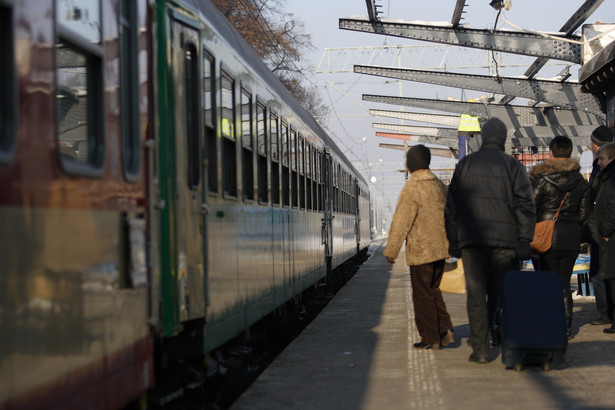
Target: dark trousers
610 297
484 266
597 282
562 263
430 312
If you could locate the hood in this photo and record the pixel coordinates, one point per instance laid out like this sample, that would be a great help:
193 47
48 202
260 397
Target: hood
563 173
494 134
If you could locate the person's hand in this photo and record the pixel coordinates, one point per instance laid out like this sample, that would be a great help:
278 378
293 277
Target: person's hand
454 251
606 239
523 250
391 260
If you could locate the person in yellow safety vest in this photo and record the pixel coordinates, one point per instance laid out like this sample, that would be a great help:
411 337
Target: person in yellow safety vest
468 127
227 128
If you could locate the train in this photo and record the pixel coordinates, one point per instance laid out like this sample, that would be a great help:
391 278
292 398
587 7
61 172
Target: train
161 192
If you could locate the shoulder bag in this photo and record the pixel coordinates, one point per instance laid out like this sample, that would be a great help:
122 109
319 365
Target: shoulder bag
543 232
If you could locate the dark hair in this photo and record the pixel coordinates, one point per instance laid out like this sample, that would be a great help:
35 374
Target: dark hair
561 147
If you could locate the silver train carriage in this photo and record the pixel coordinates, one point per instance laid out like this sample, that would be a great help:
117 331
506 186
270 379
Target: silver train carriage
159 185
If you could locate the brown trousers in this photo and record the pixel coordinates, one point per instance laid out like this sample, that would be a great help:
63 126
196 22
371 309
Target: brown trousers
430 312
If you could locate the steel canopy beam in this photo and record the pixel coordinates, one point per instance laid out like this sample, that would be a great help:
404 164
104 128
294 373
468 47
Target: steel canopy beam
506 41
436 132
440 119
573 23
458 12
512 115
563 94
438 152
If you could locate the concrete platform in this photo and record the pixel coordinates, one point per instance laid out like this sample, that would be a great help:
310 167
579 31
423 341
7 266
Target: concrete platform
358 354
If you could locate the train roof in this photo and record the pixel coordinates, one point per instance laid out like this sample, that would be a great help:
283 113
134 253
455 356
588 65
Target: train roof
209 12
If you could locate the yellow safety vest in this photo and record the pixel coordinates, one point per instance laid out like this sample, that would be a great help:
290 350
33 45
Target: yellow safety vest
227 129
469 124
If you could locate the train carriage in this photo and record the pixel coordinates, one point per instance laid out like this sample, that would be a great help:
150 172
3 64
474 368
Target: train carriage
73 272
161 192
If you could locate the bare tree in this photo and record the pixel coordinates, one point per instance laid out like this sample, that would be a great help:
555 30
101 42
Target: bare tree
280 40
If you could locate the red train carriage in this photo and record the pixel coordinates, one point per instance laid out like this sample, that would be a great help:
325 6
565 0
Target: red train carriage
73 279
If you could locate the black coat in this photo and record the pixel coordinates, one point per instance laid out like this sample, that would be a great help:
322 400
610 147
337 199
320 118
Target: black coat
489 201
551 180
605 218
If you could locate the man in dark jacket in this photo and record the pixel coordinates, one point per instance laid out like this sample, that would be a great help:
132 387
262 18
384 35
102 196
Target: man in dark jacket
605 218
600 136
489 218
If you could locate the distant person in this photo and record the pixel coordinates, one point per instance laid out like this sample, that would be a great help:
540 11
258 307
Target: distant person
558 181
490 219
605 218
600 136
419 221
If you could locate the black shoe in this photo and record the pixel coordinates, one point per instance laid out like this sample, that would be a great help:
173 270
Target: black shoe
476 358
601 320
421 345
609 330
569 334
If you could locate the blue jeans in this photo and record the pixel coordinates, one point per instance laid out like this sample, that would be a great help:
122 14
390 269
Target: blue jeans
483 267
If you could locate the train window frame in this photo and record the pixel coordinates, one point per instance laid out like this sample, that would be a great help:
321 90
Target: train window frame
129 90
261 153
9 106
228 135
91 56
247 144
275 158
209 121
308 176
301 169
284 143
294 178
193 154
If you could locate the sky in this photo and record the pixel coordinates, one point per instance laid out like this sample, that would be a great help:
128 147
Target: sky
350 123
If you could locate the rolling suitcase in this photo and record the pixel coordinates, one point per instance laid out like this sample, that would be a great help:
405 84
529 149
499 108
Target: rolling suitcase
532 319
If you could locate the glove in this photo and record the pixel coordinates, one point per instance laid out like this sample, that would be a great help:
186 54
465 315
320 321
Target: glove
454 251
523 250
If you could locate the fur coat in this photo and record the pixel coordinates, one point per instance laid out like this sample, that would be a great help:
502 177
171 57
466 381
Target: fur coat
419 220
551 180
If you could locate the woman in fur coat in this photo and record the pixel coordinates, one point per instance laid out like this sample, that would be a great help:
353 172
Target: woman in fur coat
551 180
419 221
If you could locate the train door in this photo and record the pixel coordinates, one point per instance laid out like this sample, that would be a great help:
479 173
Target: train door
189 215
327 221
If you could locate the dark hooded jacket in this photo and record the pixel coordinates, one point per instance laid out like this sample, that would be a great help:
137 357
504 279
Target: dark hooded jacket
605 218
489 201
551 180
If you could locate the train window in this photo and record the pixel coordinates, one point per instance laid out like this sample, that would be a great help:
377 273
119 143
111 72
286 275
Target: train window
261 151
129 88
209 95
293 167
229 153
8 86
192 115
308 176
285 165
247 144
79 92
275 162
301 167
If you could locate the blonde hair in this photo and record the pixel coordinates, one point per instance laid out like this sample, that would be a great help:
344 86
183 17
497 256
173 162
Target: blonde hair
608 149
